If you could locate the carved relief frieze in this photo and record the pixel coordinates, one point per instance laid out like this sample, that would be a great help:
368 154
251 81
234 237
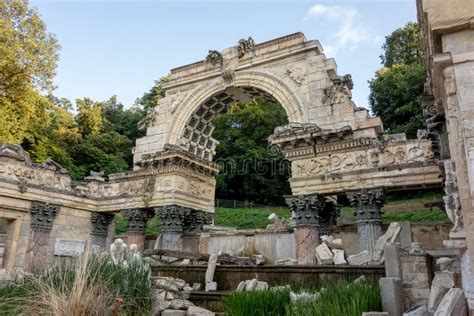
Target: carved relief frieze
358 158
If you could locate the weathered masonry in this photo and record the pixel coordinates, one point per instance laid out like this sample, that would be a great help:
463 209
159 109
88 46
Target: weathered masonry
334 147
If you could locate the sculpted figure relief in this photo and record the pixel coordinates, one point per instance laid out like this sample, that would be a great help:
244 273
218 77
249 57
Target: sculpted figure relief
452 201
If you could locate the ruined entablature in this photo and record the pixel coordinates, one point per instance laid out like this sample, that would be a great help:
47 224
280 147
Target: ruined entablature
290 71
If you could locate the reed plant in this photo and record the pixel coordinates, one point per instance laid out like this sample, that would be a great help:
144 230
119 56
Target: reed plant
339 298
85 285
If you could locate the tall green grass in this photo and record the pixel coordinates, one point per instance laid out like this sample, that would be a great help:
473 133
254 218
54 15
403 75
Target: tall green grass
337 299
87 285
256 303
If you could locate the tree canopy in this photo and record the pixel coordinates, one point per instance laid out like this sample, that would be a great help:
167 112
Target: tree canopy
396 88
252 171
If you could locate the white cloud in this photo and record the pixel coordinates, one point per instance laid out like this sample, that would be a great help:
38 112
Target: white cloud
348 32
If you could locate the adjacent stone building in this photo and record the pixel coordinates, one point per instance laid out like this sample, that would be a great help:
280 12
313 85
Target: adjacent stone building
448 41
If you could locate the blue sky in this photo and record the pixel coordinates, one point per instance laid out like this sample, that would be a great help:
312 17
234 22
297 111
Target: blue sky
121 47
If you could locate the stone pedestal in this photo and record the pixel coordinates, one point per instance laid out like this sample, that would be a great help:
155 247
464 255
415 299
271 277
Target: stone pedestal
137 219
367 206
307 215
100 228
42 216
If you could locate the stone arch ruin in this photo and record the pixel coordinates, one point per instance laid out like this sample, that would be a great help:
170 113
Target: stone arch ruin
335 148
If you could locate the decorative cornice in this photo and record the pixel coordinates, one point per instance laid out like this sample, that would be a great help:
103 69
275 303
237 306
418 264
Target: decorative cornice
43 214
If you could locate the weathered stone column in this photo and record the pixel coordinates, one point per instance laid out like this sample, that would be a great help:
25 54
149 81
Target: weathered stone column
307 214
42 217
193 227
100 228
137 219
172 226
368 212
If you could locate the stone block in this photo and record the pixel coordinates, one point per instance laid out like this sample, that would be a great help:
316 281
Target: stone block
211 268
392 296
180 304
339 257
417 310
68 247
375 314
251 285
172 312
441 284
199 311
390 236
211 286
240 287
393 267
324 255
405 237
453 303
361 258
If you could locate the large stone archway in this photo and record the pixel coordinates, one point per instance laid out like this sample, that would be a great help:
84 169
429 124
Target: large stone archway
335 149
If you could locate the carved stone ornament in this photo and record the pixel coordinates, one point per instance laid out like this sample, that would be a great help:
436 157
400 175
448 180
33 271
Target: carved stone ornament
195 221
307 209
367 204
172 218
452 201
296 73
214 58
43 214
245 46
137 219
100 223
15 151
339 91
229 76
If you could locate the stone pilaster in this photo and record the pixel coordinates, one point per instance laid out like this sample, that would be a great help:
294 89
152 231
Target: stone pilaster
137 219
172 226
100 228
368 212
193 227
307 210
42 217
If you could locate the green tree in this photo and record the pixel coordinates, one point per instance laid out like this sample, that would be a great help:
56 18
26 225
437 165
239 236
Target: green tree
395 90
28 59
252 170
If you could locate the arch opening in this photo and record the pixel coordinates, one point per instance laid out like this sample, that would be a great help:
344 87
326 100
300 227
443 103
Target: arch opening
196 137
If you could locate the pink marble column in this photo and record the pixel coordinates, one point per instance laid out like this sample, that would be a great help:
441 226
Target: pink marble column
307 239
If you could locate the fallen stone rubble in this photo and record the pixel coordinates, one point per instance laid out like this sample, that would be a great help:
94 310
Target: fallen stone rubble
171 298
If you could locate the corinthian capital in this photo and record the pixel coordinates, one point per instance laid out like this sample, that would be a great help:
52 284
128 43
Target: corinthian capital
307 209
367 203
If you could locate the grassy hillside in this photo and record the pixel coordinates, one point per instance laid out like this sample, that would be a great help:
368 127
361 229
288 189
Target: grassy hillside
397 208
